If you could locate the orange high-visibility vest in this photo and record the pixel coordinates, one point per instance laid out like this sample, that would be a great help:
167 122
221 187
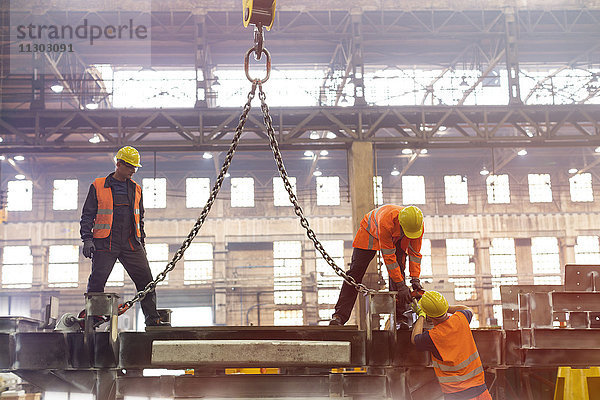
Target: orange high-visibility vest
461 368
379 229
104 215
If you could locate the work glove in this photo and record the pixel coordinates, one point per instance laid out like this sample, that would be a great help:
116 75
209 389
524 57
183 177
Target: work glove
88 248
416 284
403 296
417 310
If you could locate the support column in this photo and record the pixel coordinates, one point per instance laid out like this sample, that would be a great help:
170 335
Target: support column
358 65
205 96
483 280
524 261
38 96
512 56
566 252
220 275
360 177
309 285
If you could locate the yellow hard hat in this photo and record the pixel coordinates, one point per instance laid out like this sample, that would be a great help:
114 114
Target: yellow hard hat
411 221
129 155
433 303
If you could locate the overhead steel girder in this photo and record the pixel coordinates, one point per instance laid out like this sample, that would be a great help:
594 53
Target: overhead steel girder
212 129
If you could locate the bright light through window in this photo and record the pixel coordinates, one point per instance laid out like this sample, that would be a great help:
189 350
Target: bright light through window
117 275
288 317
498 189
426 270
155 192
158 257
464 288
378 190
581 187
20 195
540 190
154 89
328 282
413 189
197 191
17 267
198 264
65 194
545 258
459 255
456 189
63 266
328 190
587 250
280 195
242 192
503 259
287 272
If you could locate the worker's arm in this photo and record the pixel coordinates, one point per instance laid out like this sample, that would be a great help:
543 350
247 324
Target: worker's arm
414 257
453 309
88 214
142 232
417 328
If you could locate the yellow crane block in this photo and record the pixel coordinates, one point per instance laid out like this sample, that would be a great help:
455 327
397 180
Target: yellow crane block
577 384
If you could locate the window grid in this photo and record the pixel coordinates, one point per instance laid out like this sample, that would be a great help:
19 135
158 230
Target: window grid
158 257
498 314
503 258
64 195
328 282
328 190
426 269
545 259
587 250
456 189
19 195
498 189
580 186
155 192
503 280
281 198
540 189
63 266
287 272
197 192
198 264
464 288
378 190
242 192
459 255
413 189
288 317
17 267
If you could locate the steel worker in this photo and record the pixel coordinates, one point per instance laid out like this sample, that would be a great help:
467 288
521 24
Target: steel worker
453 352
112 227
396 231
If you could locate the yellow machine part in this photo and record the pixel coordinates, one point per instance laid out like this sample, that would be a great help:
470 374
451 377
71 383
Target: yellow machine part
259 11
355 370
251 371
577 384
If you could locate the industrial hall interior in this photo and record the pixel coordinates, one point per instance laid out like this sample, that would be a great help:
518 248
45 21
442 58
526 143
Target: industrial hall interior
248 199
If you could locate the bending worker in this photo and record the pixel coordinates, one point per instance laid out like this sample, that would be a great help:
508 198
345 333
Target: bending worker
453 352
112 227
397 232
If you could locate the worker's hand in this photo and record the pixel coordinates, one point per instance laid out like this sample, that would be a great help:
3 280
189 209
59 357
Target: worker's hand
403 296
88 248
417 310
416 284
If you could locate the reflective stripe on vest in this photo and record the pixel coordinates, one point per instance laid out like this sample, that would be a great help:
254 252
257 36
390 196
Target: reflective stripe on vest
457 367
461 378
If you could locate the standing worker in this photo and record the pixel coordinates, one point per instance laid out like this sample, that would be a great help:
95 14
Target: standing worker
397 232
112 227
454 354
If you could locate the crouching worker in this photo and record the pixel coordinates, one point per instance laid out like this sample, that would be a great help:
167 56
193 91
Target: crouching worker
453 352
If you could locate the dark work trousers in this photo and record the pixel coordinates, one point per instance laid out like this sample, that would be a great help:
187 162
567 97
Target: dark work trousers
358 266
122 246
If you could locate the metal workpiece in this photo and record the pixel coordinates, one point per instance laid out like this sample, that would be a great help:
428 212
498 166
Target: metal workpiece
18 324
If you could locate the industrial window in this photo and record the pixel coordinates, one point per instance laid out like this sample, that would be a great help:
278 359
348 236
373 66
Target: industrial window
503 262
65 194
155 192
288 317
328 282
497 281
498 314
459 254
547 280
281 198
378 190
426 270
464 288
242 192
581 187
19 196
158 257
498 189
587 250
17 267
198 264
456 189
328 191
287 272
117 275
63 266
413 189
197 191
544 255
540 189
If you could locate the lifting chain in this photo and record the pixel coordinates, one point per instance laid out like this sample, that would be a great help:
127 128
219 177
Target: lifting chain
297 209
200 221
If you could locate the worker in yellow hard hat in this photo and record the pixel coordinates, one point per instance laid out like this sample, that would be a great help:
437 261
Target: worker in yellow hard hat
112 228
397 232
454 354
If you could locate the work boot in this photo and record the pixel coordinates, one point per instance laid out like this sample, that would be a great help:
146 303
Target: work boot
336 321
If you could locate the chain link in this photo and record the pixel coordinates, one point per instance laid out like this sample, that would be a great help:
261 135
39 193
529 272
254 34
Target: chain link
297 209
200 221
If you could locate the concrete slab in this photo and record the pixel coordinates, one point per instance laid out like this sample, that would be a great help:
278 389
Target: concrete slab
250 352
